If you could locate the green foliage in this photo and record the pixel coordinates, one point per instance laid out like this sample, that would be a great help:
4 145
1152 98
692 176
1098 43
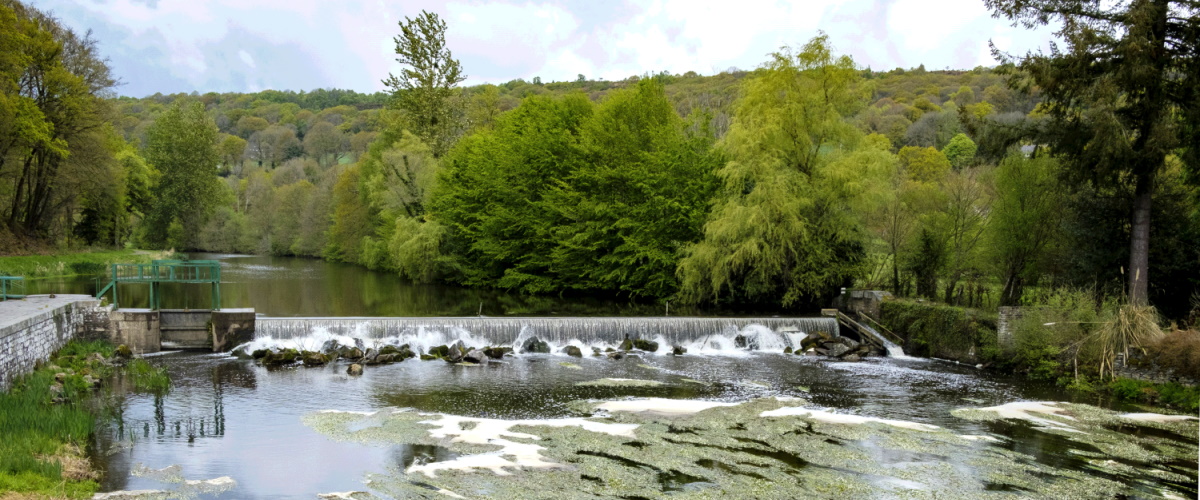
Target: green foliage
941 331
147 377
924 164
491 195
642 194
960 151
1025 222
425 86
182 145
771 237
1184 398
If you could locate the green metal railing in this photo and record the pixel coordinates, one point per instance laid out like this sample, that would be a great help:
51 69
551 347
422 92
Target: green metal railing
9 284
158 272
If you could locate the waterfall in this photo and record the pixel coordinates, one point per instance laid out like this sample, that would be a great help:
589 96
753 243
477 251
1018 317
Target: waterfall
893 350
698 335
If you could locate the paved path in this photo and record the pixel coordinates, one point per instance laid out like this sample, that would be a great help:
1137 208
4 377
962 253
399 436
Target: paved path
15 311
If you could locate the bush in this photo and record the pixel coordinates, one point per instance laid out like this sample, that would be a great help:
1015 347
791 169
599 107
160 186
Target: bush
1052 337
1179 351
942 331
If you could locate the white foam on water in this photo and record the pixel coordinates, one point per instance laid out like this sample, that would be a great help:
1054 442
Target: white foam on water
512 455
661 406
841 418
1155 417
970 437
1029 411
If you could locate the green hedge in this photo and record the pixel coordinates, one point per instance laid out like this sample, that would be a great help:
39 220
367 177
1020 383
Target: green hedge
942 331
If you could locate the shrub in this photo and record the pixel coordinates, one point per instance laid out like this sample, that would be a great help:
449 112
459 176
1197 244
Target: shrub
1178 350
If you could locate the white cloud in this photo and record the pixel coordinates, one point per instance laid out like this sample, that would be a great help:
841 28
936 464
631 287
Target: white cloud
349 44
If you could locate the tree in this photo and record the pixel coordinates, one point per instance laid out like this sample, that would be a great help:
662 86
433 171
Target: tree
773 235
425 87
924 164
960 151
1120 97
325 143
232 148
642 195
1024 221
182 145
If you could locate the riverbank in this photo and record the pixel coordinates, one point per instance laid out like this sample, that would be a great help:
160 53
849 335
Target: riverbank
59 265
49 416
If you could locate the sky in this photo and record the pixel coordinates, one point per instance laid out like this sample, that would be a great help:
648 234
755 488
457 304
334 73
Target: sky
171 46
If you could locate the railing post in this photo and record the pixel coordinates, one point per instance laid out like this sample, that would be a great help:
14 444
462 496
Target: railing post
116 285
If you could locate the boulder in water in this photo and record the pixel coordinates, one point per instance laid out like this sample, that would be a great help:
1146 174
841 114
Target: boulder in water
849 342
837 350
454 356
536 345
627 345
259 353
787 350
596 351
347 352
439 351
384 359
645 345
281 357
813 339
572 351
616 355
428 357
475 356
354 369
678 350
497 352
851 357
740 342
314 358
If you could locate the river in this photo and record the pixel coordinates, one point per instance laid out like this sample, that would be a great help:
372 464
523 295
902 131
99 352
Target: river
723 420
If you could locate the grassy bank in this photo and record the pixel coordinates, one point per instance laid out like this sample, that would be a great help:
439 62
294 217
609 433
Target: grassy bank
74 264
46 421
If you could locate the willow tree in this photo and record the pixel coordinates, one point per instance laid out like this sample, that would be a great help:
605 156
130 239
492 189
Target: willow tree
1121 97
774 235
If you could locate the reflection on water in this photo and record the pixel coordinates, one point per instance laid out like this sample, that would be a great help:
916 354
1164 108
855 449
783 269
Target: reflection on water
291 286
228 417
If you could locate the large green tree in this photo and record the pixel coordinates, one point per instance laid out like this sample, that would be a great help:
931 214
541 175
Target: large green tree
425 87
182 145
774 236
1121 96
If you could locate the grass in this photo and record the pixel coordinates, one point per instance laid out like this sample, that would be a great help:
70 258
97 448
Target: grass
46 423
73 264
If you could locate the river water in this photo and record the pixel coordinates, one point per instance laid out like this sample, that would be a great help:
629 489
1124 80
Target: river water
724 420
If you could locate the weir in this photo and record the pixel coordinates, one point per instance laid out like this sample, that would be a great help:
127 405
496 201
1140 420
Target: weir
702 333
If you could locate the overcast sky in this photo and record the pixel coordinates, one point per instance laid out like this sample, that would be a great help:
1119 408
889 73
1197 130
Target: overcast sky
250 45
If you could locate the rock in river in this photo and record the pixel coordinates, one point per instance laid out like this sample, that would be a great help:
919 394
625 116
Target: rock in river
355 369
572 351
536 345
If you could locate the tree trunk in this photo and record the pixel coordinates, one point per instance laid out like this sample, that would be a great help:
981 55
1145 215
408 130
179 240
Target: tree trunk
1139 245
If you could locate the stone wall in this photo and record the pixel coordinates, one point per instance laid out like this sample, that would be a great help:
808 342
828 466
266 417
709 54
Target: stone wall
1008 318
40 331
941 331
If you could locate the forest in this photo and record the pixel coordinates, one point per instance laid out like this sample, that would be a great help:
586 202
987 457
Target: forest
764 189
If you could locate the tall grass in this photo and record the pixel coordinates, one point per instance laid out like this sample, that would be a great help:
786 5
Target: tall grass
73 264
39 425
1129 327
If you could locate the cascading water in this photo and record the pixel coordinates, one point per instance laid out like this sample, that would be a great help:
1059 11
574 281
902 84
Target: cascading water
698 335
893 350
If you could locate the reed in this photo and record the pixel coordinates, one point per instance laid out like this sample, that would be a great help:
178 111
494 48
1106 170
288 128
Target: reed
1130 327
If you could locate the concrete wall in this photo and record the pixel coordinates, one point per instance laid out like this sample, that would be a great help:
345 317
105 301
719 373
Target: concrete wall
137 328
231 327
185 329
864 301
33 329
